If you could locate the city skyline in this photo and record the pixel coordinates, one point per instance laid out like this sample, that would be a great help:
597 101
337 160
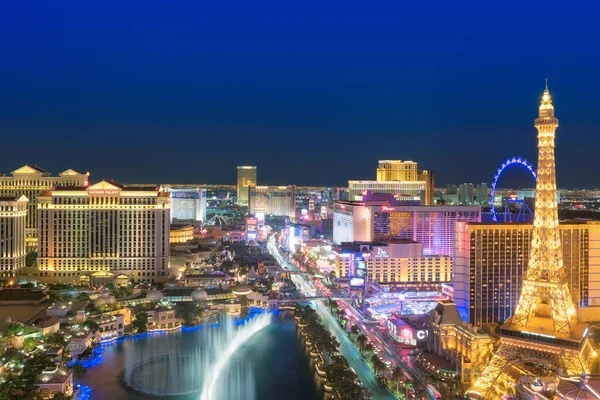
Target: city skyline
175 83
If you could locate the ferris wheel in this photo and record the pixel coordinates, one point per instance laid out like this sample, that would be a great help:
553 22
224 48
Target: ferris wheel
510 162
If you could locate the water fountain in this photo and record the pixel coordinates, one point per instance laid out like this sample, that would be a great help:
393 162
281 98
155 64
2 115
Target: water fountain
177 368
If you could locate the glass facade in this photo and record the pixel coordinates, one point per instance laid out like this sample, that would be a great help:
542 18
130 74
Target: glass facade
491 261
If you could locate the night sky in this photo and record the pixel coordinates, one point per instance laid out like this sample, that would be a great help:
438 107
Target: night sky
312 92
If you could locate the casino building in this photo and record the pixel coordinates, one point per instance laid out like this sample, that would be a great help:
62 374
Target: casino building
491 260
13 212
30 182
102 232
188 204
273 200
399 263
372 220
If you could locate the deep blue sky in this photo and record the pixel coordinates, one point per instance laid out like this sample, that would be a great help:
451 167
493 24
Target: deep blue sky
313 92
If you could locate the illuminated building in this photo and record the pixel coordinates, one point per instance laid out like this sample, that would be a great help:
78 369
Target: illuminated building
251 229
103 231
397 170
427 177
491 260
30 182
181 233
406 334
13 214
482 195
370 220
246 178
188 204
52 382
273 200
395 262
544 327
406 190
463 344
465 193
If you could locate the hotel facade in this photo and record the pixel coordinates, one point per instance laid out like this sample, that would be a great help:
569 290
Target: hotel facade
371 220
246 178
30 182
13 214
273 200
491 260
103 232
395 262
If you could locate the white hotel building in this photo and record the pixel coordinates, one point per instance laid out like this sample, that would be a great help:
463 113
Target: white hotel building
13 214
372 220
102 232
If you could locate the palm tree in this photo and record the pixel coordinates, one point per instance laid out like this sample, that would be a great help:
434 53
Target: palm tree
354 329
362 340
397 373
378 365
368 348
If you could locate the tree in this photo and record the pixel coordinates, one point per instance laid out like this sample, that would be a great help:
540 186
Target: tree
189 312
56 339
378 365
369 348
362 341
31 259
91 325
141 322
397 374
13 329
29 344
354 329
78 370
83 296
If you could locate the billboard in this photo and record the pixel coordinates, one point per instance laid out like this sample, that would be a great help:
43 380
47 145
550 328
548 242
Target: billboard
359 273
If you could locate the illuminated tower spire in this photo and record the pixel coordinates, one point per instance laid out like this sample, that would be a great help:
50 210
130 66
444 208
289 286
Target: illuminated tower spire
545 284
544 328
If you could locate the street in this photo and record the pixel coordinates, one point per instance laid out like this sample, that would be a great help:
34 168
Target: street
351 353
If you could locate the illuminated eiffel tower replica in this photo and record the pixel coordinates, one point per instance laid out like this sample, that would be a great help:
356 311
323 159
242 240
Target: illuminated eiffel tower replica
544 328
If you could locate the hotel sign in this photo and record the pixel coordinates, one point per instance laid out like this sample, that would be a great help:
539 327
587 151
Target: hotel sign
104 192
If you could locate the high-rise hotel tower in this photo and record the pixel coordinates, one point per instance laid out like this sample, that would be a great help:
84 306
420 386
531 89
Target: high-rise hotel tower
103 232
30 182
13 211
246 178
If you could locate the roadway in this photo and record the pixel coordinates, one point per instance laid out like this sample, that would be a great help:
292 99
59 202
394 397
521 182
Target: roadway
351 353
347 348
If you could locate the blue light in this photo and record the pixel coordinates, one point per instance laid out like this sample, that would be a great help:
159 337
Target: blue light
507 163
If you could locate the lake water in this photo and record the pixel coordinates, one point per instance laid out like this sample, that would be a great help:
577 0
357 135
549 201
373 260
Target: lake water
274 358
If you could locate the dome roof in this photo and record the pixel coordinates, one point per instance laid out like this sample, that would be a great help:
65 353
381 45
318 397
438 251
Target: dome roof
104 299
199 295
240 289
578 389
154 295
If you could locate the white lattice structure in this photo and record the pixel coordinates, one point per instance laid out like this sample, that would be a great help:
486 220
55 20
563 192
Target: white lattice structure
544 329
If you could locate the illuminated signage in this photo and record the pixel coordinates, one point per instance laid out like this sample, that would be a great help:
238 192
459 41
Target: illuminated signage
343 206
381 253
357 280
357 283
367 213
104 192
184 195
388 209
421 335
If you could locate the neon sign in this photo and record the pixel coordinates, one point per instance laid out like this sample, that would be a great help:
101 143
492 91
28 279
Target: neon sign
386 208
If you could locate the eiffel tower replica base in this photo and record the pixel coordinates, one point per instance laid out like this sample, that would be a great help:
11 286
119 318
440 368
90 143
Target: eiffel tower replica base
565 354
